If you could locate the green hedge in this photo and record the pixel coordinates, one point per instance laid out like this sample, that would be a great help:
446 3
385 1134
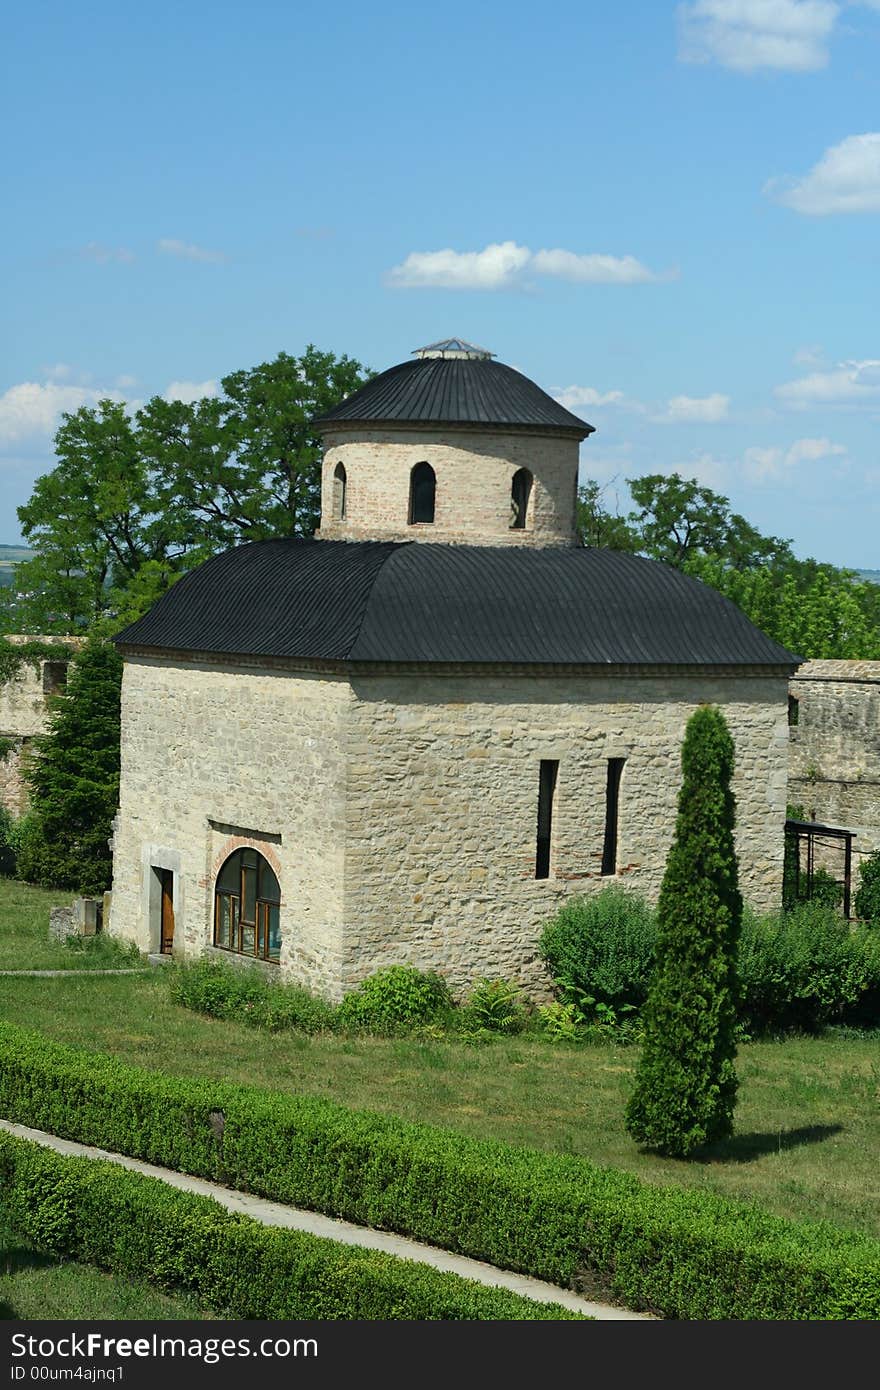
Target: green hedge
680 1253
98 1213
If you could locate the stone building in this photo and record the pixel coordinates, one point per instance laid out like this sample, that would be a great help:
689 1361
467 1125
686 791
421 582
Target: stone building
24 713
410 739
834 764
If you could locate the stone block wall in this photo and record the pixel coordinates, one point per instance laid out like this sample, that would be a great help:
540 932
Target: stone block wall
399 810
219 756
834 754
443 793
24 714
474 471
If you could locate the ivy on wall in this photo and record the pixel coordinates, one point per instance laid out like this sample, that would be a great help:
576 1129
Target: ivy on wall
15 655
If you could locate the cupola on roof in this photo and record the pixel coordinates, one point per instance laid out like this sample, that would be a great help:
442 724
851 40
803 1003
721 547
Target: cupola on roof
456 383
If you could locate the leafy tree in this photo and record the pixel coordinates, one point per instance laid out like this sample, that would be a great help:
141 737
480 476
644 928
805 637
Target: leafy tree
676 519
597 526
867 899
686 1084
74 779
133 503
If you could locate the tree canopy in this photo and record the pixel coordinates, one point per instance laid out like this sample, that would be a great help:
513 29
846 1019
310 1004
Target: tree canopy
136 501
813 609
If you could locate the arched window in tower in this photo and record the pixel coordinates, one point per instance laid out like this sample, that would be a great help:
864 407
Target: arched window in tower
339 488
422 491
247 899
520 492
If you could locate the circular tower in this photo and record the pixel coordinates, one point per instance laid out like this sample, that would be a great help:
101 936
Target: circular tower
452 447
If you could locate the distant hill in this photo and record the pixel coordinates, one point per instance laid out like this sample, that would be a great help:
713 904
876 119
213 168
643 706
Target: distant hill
10 555
873 576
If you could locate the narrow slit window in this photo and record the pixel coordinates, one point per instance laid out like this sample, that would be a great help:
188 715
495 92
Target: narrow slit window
794 710
520 492
339 489
612 808
422 494
546 797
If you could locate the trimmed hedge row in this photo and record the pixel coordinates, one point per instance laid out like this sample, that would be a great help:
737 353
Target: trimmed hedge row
680 1253
136 1226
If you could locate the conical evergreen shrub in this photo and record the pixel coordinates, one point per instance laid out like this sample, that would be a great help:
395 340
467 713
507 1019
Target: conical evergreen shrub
686 1083
74 779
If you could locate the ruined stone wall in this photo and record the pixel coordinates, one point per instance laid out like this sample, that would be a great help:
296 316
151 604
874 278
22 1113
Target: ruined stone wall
24 714
443 794
834 755
474 470
218 756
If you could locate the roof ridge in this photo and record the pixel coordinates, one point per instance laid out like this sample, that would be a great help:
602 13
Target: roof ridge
391 548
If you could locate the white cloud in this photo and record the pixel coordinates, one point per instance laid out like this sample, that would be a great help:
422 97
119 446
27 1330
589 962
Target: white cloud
574 397
811 355
703 410
494 268
188 251
846 179
103 255
33 408
850 383
747 35
502 265
189 391
592 269
762 465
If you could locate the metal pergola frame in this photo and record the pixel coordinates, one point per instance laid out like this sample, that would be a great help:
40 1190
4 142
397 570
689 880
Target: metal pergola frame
809 833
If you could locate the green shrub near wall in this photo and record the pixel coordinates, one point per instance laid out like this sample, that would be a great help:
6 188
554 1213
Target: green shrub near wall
136 1226
683 1254
799 969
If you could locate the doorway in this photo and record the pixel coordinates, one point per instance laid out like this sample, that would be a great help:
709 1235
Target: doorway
166 932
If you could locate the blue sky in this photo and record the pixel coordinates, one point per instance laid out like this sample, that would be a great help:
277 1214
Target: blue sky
668 216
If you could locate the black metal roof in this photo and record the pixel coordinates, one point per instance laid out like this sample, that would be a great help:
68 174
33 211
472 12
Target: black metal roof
461 391
378 601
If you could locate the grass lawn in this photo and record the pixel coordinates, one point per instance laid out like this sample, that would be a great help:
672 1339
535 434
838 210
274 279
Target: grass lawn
24 934
808 1118
35 1286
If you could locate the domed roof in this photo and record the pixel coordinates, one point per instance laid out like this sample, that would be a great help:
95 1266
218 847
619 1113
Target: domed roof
452 382
378 601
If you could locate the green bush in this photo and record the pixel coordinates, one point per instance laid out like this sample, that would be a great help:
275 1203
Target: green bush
96 1212
867 899
243 995
684 1254
601 948
7 850
805 968
497 1006
393 1000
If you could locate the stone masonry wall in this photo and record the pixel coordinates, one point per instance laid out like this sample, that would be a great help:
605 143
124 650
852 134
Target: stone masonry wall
834 756
215 757
24 714
442 806
473 498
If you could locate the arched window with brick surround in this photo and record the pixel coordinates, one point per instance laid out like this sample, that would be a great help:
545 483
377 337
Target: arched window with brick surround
520 492
422 493
339 488
247 901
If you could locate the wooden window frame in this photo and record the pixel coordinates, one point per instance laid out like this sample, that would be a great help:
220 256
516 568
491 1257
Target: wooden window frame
238 922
